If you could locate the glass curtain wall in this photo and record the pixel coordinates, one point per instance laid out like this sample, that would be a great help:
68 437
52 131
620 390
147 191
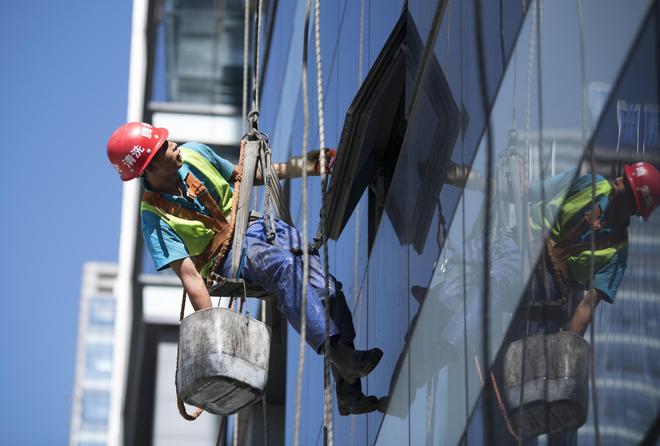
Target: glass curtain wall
554 76
547 105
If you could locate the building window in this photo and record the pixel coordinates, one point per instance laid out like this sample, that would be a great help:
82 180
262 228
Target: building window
95 408
98 361
199 52
101 315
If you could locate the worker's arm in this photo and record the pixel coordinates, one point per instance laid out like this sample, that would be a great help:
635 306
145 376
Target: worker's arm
192 282
296 164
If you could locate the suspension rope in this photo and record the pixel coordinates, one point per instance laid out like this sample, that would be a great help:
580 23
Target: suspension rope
356 237
264 403
498 396
253 116
463 232
592 238
257 67
539 91
483 88
327 393
305 247
246 49
528 160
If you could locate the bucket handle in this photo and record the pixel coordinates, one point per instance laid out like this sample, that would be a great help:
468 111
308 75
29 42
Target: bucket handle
242 298
179 401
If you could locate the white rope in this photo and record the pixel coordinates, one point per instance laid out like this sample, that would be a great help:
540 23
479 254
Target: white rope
327 393
305 246
246 45
319 81
257 67
530 69
356 237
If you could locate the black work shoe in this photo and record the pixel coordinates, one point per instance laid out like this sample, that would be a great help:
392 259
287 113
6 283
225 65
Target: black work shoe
361 404
353 364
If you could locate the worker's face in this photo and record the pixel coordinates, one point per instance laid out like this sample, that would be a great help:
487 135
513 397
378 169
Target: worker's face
621 196
167 159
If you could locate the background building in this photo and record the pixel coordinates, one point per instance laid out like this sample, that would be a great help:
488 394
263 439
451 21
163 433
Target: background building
96 327
410 99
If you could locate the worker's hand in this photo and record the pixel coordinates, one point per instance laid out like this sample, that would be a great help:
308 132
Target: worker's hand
315 156
312 163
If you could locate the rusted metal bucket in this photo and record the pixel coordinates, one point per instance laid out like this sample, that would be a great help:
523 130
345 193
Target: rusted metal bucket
555 387
223 360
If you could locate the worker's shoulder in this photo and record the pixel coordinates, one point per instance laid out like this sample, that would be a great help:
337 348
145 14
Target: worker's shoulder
584 181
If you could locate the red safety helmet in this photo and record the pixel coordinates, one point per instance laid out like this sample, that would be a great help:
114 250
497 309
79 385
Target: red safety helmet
644 180
132 146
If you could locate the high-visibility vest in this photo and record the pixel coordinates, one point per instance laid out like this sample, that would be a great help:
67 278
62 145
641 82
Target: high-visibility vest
194 234
578 257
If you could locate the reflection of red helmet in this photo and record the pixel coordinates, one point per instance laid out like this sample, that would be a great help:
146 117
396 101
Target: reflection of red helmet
644 180
132 146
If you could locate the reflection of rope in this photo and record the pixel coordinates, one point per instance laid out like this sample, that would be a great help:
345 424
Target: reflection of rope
485 305
498 396
305 247
592 238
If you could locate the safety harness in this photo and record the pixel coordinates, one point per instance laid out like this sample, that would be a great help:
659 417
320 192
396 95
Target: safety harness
558 251
222 228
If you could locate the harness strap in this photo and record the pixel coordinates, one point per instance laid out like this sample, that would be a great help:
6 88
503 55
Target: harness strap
560 250
218 222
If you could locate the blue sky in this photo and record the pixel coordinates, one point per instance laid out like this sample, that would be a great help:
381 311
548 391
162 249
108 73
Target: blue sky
63 86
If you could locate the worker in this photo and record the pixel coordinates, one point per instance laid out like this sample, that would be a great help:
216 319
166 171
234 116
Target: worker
182 230
568 248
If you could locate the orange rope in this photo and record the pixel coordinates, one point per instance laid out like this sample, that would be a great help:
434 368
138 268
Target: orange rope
179 401
498 396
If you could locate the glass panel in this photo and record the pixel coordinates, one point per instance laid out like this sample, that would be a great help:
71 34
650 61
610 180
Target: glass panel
98 361
627 334
101 315
95 409
534 138
199 52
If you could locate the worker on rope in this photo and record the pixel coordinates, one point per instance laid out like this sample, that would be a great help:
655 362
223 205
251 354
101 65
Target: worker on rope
568 249
567 252
182 229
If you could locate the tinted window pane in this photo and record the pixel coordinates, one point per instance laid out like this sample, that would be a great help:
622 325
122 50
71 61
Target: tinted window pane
95 408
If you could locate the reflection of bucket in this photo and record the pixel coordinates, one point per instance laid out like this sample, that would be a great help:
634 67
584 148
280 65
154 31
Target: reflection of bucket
223 360
556 383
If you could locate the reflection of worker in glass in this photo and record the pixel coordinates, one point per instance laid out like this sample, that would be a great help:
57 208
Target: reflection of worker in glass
568 248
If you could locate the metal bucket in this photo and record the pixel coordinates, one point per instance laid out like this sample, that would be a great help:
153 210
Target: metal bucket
223 360
555 387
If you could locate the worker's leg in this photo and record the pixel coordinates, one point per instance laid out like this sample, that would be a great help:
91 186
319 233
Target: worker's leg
274 268
584 312
350 398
